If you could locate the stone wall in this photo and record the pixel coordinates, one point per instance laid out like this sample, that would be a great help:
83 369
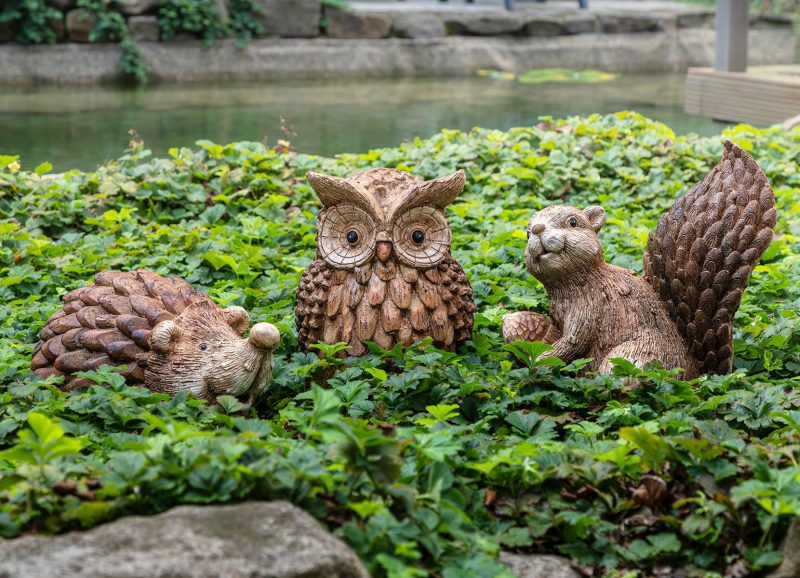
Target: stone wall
266 59
309 19
307 40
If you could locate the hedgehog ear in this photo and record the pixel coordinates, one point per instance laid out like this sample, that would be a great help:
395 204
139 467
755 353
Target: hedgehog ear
163 335
596 216
237 318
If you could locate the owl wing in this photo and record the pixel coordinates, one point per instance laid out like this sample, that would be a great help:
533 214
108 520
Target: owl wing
461 306
312 296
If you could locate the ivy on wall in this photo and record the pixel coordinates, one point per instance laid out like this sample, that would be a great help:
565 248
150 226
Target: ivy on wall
30 20
36 22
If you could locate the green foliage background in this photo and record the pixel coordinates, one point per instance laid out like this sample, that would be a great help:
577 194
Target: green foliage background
425 462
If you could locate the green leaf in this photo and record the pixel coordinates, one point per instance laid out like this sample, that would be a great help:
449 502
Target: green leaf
43 169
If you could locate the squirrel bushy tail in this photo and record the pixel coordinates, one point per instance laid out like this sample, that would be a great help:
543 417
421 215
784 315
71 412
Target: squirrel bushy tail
700 257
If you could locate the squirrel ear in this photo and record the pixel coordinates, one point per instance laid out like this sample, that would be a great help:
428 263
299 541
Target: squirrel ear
596 216
163 335
237 318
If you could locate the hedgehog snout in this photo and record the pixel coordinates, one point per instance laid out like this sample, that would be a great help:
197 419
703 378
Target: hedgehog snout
264 336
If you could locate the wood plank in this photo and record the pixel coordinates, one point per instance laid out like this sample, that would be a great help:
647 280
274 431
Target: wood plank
762 97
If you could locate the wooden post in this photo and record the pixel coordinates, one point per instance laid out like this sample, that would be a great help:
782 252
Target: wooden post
731 40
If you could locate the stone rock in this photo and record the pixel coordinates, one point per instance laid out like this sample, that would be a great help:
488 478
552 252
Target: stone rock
704 19
222 7
8 32
59 28
543 27
538 566
788 125
80 23
348 24
771 21
137 7
790 566
581 24
63 5
418 25
485 24
295 19
144 28
625 23
250 540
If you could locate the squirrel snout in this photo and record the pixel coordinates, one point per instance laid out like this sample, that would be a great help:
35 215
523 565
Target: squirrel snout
537 228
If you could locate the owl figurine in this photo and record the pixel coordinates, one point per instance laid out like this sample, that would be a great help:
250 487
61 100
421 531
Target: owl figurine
383 270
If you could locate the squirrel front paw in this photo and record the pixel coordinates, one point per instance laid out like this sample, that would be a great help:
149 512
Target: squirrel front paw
530 326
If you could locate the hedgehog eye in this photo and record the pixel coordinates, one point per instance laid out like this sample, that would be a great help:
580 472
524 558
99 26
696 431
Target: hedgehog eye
203 347
573 222
352 237
528 232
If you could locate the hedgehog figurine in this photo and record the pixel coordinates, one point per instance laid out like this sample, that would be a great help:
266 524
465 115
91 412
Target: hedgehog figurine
680 312
169 336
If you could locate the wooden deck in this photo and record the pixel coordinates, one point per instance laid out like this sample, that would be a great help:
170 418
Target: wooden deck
763 95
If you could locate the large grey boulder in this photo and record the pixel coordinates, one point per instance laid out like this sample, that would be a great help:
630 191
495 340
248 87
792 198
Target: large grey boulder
295 19
418 25
350 24
250 540
538 566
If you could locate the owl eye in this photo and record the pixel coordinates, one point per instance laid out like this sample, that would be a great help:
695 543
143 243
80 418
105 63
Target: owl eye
346 236
421 237
573 222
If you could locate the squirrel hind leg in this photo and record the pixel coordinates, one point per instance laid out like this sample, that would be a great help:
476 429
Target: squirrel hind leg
530 326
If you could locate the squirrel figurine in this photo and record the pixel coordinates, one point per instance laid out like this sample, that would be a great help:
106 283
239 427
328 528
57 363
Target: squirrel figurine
680 312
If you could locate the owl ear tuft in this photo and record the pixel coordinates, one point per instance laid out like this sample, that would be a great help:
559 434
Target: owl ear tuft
334 191
434 193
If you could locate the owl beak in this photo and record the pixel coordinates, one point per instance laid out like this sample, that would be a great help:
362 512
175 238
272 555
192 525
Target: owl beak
384 250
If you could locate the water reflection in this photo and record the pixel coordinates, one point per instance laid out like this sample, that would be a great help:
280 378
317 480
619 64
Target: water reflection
81 127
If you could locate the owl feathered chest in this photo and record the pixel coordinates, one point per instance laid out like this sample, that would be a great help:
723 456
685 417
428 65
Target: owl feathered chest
383 271
386 303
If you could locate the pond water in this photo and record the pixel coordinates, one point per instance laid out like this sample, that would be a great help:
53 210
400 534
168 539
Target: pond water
81 127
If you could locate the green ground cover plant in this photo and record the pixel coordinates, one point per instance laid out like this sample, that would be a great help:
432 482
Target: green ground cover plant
426 463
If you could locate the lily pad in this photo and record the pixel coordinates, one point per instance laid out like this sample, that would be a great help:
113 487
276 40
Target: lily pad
545 75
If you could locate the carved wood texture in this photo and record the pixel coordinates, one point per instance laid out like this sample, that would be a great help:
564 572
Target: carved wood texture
700 257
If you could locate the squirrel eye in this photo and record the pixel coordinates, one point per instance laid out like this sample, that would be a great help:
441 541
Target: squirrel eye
203 346
573 222
418 236
352 237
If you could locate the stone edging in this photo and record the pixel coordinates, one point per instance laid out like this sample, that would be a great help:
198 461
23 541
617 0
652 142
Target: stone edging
263 59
